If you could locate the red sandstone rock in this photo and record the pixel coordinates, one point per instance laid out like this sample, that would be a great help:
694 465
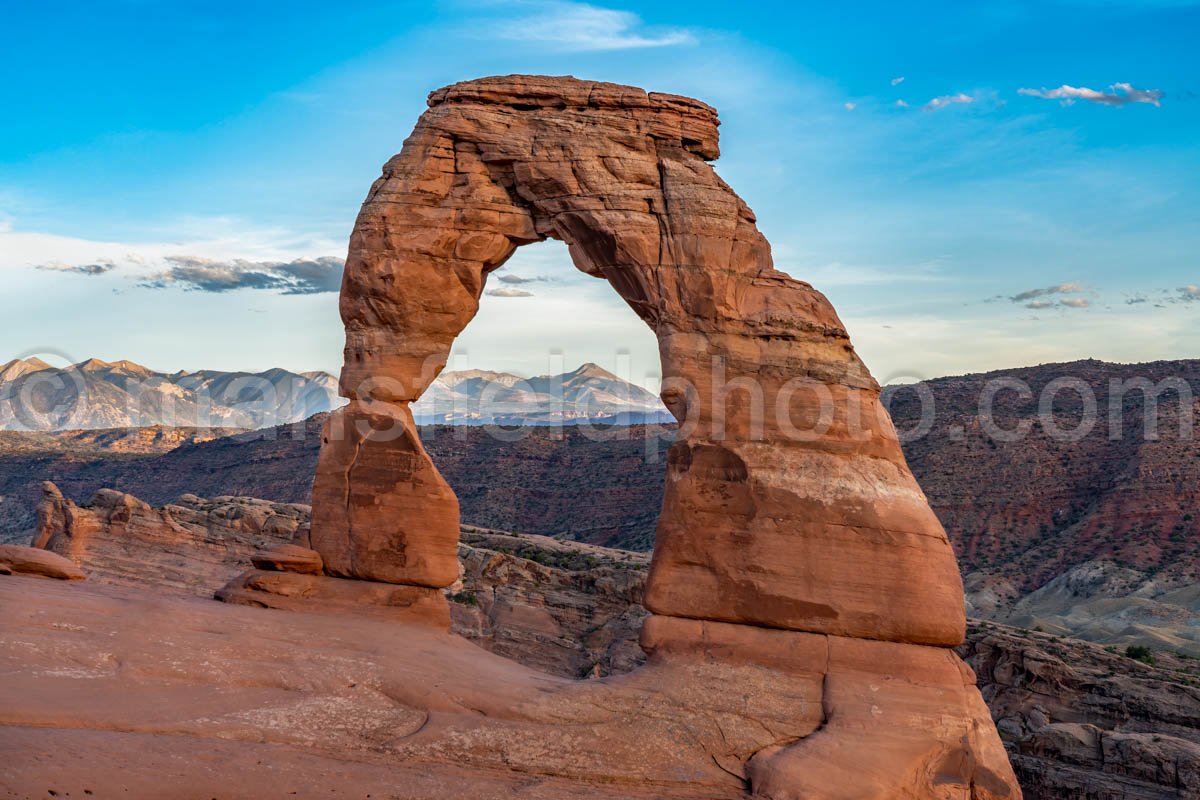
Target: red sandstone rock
318 593
193 546
19 560
788 502
826 533
288 558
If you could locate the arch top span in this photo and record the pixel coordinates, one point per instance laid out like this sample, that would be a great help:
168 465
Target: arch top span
788 501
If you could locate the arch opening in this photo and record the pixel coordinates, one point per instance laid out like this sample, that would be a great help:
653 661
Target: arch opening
756 527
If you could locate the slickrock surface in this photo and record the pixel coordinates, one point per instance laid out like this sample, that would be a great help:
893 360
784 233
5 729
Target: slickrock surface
566 608
573 610
88 673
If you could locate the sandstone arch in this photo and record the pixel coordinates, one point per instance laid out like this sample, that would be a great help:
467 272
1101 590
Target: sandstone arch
804 595
827 534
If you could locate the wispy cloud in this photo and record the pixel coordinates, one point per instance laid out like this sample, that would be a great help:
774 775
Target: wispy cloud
897 81
948 100
1121 94
1052 297
1061 288
507 277
579 27
1189 293
301 276
850 106
95 268
505 291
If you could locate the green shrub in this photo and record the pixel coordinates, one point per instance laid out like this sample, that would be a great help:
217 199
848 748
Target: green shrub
465 598
1140 653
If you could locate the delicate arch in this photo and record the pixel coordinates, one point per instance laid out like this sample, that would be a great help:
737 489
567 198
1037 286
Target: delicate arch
825 533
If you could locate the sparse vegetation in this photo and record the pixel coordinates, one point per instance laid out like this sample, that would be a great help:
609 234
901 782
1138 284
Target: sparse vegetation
464 598
1140 653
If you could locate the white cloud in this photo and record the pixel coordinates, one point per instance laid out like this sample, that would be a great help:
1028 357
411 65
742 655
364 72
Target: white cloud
579 27
1189 293
850 106
948 100
1122 94
897 81
301 276
839 274
505 291
901 104
95 268
1076 302
249 259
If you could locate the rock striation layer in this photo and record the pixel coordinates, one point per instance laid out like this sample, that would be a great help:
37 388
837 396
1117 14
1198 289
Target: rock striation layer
793 539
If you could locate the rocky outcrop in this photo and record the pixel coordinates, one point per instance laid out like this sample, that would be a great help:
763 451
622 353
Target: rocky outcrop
18 560
1086 723
562 607
193 546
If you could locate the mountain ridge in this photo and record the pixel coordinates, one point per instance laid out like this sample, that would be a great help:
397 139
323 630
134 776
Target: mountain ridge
96 394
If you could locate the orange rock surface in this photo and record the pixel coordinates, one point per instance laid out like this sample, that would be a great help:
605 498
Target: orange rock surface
779 511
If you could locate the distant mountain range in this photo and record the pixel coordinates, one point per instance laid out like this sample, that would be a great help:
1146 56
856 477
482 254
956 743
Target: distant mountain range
587 394
35 396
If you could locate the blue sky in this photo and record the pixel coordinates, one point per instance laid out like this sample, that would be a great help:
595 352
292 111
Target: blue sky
974 185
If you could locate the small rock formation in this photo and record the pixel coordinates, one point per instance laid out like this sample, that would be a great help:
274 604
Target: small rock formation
792 538
289 558
18 560
192 546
